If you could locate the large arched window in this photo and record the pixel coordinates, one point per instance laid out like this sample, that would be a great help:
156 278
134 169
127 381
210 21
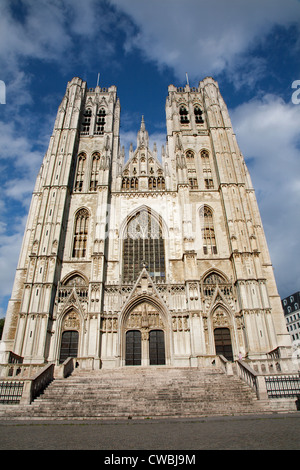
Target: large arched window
208 232
143 245
80 234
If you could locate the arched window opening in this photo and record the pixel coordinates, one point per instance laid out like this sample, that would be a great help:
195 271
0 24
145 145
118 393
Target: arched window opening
156 183
76 282
143 245
95 172
100 121
198 115
86 122
208 232
214 278
80 234
80 173
193 183
184 115
189 155
207 175
129 184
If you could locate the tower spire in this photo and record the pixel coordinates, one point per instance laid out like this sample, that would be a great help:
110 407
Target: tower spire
142 136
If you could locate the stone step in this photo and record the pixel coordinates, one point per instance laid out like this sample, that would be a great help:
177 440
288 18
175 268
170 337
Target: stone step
140 393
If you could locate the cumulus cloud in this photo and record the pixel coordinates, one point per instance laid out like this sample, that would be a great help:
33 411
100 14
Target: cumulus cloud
19 163
204 38
63 32
267 130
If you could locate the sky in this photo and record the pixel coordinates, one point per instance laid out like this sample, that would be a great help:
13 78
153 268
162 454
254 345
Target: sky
252 48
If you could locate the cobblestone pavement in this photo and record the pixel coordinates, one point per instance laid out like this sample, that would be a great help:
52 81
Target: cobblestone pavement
259 432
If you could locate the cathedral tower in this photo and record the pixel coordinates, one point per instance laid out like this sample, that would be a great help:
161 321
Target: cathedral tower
141 260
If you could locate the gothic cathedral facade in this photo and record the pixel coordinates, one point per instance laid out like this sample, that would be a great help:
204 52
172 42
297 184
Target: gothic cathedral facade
140 260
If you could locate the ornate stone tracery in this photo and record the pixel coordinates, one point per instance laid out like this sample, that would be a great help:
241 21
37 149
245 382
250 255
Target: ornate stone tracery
144 316
71 321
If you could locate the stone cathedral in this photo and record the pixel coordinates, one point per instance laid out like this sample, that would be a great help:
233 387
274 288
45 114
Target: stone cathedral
136 259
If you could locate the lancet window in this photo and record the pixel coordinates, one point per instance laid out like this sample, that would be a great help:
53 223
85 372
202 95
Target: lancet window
100 121
184 115
80 234
80 173
198 115
86 122
208 232
189 156
143 245
95 172
156 183
129 184
193 183
207 175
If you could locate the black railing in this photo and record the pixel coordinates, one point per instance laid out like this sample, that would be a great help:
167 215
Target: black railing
283 386
11 392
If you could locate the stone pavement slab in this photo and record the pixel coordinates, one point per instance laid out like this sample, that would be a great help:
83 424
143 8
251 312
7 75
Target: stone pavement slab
251 432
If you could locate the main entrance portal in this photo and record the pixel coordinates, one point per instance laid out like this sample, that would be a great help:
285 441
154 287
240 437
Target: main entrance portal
155 354
144 337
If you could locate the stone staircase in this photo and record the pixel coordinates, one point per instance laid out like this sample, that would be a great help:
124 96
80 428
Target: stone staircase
139 393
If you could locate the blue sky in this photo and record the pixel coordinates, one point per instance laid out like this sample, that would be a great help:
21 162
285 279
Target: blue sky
251 48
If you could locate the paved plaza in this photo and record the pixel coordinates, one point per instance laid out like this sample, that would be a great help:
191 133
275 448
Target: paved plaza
259 432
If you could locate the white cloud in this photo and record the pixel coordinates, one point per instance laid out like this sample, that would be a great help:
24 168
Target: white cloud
16 150
201 37
63 32
267 130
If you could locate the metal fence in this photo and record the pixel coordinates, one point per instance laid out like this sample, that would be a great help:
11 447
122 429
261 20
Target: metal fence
283 386
11 392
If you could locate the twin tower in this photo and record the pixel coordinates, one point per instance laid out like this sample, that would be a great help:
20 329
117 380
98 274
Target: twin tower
140 260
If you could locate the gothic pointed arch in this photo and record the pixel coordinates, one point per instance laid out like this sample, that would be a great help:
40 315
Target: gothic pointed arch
75 278
214 276
223 331
147 316
70 327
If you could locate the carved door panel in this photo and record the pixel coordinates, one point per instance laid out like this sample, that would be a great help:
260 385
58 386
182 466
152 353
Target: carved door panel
157 347
223 343
69 345
133 348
